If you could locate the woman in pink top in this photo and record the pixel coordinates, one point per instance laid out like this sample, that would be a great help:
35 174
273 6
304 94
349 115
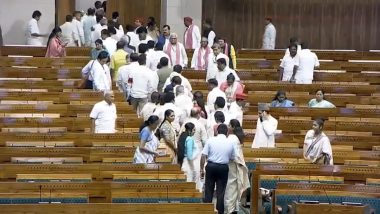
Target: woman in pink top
231 88
55 46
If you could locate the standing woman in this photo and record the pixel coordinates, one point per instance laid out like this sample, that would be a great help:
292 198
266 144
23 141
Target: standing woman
238 180
149 143
188 153
55 46
317 147
168 134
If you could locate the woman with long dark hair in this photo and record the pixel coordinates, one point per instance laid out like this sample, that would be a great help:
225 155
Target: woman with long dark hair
147 150
55 46
238 180
168 134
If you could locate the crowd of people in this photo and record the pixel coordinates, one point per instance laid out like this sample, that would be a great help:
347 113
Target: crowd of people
193 128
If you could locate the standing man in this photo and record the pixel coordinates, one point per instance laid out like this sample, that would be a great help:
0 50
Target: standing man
176 51
219 152
201 56
212 67
308 62
103 115
33 31
163 39
269 37
265 128
192 38
118 59
78 29
289 65
209 32
224 71
229 51
163 73
124 81
214 92
88 22
68 31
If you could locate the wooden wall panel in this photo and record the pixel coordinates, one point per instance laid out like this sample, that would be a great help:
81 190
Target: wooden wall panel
324 24
130 9
63 8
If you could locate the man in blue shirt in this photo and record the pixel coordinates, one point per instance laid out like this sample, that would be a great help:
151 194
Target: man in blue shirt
219 152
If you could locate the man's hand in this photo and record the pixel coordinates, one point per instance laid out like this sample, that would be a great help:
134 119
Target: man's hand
202 174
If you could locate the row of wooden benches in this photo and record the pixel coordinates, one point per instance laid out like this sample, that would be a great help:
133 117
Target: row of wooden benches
264 74
337 55
120 154
344 88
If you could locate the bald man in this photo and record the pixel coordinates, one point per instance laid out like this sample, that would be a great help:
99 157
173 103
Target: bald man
192 38
176 51
103 115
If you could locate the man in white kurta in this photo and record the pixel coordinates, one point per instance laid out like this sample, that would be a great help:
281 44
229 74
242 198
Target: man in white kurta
214 92
33 35
88 22
212 66
192 38
103 115
108 42
269 37
97 33
78 29
265 128
68 31
201 56
289 64
176 51
124 81
224 71
308 61
183 102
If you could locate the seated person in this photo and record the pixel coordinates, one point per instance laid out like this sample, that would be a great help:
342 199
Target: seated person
319 101
317 147
281 101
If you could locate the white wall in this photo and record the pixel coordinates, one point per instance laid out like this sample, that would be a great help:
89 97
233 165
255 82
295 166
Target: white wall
15 14
84 4
173 12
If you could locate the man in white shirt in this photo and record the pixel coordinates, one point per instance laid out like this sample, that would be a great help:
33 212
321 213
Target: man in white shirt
157 56
142 32
78 29
176 51
99 72
218 151
68 32
220 106
192 38
208 32
97 29
201 56
103 115
223 71
150 106
212 67
293 41
134 38
184 81
88 22
150 56
108 42
33 31
124 81
142 85
236 108
308 61
214 92
183 102
265 128
289 65
269 37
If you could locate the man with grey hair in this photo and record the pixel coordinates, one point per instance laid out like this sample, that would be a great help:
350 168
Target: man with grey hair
103 115
176 51
183 102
